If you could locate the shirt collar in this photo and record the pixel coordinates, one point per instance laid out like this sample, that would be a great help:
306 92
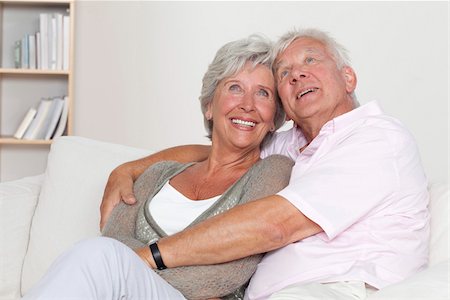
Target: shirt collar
370 109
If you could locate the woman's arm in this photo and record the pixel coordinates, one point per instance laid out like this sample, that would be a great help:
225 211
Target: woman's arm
120 182
206 281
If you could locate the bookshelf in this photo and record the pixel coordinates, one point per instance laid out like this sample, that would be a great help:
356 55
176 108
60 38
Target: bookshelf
22 88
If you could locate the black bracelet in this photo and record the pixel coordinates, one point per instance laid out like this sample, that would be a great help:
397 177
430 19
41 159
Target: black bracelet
157 256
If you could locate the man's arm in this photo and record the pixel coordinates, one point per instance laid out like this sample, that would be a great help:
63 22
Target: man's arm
255 227
120 182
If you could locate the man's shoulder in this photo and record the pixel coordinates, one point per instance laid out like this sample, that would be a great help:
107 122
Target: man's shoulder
280 142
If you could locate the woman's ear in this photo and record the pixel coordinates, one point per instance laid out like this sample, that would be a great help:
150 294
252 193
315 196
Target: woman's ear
350 79
208 113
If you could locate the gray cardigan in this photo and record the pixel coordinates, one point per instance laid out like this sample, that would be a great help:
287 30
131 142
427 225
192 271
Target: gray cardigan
135 227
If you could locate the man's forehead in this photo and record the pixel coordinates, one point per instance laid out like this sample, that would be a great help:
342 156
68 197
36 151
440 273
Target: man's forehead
299 51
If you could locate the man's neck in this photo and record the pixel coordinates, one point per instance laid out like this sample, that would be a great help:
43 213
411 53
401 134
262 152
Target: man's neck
311 127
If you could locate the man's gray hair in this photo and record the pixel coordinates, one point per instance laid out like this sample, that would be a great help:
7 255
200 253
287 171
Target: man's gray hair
336 50
229 60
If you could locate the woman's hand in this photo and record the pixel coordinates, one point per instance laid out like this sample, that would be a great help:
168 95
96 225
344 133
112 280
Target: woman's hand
118 188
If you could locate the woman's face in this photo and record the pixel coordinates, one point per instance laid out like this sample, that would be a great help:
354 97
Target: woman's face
243 108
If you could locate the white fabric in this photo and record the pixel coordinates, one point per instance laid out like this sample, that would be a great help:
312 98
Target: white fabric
17 195
68 210
344 290
101 269
362 181
173 211
440 212
432 283
17 203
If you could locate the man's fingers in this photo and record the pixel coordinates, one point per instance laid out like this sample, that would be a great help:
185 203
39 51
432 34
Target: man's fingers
128 197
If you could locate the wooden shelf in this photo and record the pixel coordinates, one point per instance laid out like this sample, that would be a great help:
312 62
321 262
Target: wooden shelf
37 1
23 88
9 140
33 72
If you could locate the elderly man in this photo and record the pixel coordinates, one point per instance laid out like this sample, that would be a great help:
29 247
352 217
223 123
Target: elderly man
354 216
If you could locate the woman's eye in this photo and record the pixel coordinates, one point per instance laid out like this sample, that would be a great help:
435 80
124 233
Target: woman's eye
263 93
235 88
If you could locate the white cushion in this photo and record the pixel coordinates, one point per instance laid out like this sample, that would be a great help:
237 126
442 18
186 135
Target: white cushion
68 209
439 210
18 199
431 283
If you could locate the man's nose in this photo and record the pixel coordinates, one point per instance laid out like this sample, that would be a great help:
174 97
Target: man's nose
297 74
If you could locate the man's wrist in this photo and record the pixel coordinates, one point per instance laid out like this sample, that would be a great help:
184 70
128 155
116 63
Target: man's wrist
156 255
145 254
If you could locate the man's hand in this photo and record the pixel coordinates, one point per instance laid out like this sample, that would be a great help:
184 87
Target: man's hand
120 183
119 187
146 256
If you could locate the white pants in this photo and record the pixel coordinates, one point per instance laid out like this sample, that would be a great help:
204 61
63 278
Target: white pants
101 268
342 290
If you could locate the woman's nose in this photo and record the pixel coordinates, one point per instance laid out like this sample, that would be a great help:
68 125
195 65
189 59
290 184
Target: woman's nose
248 103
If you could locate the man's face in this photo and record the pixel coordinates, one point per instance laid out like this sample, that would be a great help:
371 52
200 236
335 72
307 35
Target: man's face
310 85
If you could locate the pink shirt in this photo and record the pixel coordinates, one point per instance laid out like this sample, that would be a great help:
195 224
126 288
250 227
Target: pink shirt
362 181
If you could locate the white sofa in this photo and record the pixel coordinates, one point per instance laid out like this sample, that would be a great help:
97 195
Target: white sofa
43 215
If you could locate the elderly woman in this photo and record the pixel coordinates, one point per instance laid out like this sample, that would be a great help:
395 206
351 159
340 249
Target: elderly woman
241 108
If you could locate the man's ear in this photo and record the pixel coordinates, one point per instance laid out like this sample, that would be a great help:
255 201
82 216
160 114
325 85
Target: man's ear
350 79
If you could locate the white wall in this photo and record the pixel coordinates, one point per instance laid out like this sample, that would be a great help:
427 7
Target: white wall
139 64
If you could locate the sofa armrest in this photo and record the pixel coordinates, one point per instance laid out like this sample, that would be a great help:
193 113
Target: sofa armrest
18 201
439 223
431 283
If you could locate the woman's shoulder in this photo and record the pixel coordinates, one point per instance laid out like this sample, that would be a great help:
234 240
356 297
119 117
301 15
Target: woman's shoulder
276 160
272 166
163 168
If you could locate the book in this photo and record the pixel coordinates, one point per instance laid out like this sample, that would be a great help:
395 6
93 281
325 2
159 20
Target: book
25 123
38 121
43 30
52 39
24 53
17 54
53 117
38 51
61 128
59 41
66 42
31 51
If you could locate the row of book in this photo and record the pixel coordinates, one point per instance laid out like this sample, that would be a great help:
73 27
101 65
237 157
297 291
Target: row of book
47 49
45 122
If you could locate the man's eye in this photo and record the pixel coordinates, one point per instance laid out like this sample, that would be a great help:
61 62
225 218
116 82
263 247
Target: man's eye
310 60
283 73
263 93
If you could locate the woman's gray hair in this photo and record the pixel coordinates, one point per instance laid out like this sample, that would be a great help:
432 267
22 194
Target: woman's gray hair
337 51
229 60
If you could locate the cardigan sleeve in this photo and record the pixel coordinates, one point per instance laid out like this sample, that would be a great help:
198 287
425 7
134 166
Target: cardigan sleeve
208 281
121 224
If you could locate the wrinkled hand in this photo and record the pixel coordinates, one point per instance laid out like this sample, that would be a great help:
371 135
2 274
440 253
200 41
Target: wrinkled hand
144 254
118 188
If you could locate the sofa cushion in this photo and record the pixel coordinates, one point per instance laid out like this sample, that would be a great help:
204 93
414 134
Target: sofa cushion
439 223
431 283
68 208
18 200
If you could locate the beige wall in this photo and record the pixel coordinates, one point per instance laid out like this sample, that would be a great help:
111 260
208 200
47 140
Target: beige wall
139 64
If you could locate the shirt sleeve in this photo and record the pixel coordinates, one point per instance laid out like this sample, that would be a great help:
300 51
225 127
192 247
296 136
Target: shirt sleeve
344 180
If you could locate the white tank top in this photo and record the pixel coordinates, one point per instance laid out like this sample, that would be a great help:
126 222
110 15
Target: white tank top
173 211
